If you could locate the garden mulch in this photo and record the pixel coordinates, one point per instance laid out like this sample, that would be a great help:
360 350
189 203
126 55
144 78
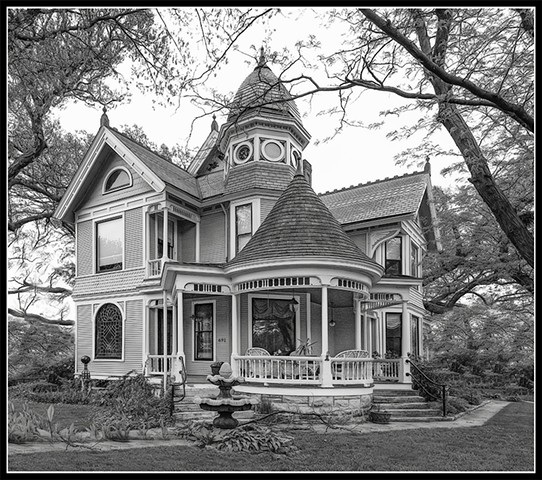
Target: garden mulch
475 417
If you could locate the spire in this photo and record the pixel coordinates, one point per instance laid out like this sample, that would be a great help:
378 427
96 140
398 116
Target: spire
261 61
427 168
104 120
214 124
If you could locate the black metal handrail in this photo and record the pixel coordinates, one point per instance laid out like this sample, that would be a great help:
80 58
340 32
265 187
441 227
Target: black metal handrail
442 386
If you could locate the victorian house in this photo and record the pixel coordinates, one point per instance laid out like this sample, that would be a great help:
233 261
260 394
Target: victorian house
237 259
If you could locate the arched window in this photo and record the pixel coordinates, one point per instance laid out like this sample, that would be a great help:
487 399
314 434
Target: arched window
117 179
109 332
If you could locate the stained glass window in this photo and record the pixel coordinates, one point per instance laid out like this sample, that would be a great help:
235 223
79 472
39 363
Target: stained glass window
109 332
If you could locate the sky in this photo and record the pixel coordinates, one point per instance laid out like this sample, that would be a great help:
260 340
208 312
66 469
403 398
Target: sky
355 155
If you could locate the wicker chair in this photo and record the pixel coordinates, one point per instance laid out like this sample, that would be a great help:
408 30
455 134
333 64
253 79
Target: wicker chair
342 374
257 369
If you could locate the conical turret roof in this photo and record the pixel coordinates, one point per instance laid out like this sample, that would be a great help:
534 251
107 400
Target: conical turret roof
299 226
262 90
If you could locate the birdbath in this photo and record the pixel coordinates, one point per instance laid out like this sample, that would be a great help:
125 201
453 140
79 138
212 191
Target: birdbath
225 403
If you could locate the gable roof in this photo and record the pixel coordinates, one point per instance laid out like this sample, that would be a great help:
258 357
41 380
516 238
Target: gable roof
168 172
401 195
299 225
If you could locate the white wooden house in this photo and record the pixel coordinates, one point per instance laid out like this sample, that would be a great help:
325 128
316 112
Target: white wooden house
238 251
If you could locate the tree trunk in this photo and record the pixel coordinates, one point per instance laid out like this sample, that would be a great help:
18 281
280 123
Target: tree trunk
505 214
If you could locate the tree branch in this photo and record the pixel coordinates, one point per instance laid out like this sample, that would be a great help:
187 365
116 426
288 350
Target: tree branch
40 318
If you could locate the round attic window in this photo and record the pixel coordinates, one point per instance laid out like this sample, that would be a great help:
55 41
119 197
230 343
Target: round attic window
243 152
272 150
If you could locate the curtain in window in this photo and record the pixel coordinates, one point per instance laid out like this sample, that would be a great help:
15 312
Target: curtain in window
273 326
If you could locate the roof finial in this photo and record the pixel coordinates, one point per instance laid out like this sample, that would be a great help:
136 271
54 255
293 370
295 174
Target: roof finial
104 120
427 168
261 61
214 124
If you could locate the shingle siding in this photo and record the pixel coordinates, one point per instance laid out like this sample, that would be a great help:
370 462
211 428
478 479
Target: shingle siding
265 175
84 248
116 282
266 206
133 238
212 238
96 197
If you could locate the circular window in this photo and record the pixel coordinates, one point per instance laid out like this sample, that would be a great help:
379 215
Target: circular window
272 150
243 152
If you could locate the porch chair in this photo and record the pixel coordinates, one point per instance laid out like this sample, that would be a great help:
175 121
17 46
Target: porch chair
337 370
257 369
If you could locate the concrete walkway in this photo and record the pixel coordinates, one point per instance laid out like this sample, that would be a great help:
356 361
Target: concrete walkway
473 418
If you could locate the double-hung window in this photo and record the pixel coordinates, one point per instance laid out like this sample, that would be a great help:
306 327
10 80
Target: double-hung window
243 226
109 245
393 256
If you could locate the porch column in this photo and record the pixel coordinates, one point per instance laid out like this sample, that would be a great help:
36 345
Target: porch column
180 335
198 246
327 380
369 335
164 324
234 334
357 327
365 332
405 343
165 237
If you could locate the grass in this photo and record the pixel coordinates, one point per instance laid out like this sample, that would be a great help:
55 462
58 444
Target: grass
504 443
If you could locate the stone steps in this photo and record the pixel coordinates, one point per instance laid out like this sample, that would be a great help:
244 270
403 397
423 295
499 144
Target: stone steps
406 406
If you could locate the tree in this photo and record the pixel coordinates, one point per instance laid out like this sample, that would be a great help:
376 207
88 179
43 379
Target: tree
476 261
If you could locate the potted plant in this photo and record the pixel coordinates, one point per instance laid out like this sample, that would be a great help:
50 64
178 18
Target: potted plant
379 415
215 367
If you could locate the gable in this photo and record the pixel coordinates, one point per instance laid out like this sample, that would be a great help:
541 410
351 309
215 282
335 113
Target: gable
108 161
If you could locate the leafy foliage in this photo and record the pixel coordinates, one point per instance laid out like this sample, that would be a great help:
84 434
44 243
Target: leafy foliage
22 426
257 439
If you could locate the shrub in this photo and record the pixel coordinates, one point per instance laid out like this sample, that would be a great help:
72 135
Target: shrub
22 426
68 391
132 401
456 405
256 439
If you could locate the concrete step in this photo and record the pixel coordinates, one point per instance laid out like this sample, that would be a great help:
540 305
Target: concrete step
391 392
421 419
398 399
414 412
402 405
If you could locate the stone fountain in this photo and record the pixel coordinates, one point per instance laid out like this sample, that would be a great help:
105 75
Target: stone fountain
225 403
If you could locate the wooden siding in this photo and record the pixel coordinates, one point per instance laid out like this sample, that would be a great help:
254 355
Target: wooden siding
96 197
188 242
222 331
84 248
266 204
132 346
133 238
343 331
212 238
360 239
84 336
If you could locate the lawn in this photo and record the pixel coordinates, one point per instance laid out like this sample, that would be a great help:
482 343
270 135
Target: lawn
504 443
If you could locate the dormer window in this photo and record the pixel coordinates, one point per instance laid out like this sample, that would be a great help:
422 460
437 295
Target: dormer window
118 179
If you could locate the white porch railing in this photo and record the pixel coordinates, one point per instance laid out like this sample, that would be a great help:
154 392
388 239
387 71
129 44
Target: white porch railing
155 364
351 370
386 369
308 370
154 268
279 369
